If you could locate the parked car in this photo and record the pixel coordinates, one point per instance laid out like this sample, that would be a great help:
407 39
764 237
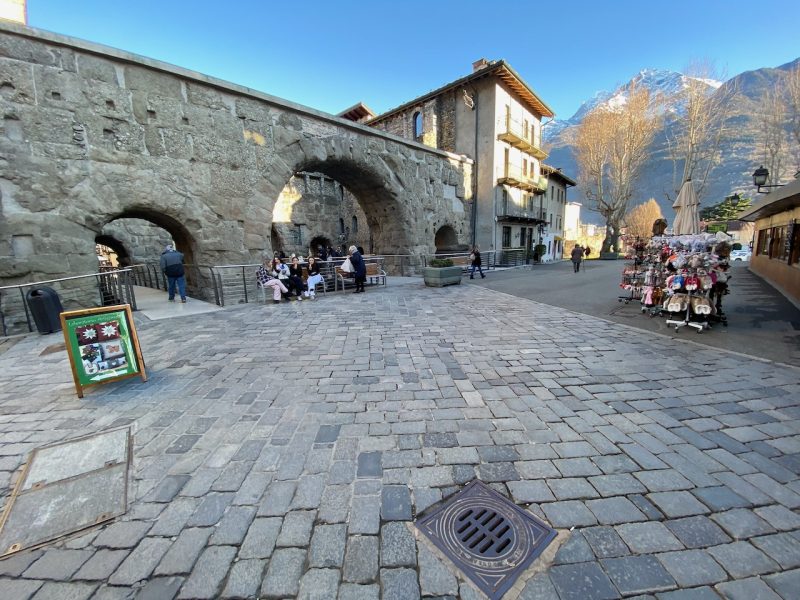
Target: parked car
743 254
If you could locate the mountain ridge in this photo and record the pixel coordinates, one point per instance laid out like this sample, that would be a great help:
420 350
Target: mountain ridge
739 152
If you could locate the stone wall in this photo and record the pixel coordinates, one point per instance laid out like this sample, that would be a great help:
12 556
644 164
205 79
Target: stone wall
90 135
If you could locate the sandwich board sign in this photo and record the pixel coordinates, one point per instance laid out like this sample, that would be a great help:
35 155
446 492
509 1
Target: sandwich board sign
102 345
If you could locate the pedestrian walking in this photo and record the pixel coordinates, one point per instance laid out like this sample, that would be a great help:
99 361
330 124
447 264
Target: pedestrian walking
475 259
359 268
576 256
586 252
172 267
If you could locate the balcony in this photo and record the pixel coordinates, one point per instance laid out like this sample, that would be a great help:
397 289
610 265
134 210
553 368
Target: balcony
508 210
514 176
511 131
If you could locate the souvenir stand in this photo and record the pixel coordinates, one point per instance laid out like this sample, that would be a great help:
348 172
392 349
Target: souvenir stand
684 276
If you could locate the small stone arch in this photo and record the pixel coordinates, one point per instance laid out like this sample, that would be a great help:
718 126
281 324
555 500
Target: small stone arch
123 256
446 240
183 240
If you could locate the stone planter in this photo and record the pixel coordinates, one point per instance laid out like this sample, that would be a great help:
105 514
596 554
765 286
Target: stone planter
441 276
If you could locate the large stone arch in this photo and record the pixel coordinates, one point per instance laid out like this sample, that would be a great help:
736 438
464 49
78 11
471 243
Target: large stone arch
90 134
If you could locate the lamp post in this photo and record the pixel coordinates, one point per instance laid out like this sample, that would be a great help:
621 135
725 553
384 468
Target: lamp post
760 178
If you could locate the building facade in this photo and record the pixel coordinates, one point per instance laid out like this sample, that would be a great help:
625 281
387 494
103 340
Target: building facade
776 254
495 118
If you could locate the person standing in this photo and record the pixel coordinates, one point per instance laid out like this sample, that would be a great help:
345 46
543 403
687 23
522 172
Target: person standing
359 269
172 267
576 256
265 280
475 259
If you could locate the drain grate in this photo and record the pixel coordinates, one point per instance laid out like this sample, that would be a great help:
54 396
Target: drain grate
488 537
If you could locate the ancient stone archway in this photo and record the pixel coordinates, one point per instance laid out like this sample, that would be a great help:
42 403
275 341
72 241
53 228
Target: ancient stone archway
446 239
108 134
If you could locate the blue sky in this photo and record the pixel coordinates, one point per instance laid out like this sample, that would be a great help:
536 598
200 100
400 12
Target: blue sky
331 54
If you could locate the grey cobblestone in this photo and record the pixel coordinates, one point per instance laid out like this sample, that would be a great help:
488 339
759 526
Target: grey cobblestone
65 591
140 563
261 537
399 584
244 579
57 564
319 584
206 579
124 534
283 574
595 411
361 559
398 547
183 553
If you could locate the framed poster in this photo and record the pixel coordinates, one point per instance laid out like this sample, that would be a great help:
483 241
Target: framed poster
102 345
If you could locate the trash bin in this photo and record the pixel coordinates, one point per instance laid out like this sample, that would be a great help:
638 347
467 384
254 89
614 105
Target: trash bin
45 306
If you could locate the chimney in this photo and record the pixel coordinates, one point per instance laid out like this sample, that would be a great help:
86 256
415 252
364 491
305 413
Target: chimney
479 64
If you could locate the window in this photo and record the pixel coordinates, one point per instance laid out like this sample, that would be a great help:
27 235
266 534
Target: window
550 220
778 248
525 128
795 244
354 225
417 125
522 237
506 237
530 202
504 200
341 226
763 242
525 167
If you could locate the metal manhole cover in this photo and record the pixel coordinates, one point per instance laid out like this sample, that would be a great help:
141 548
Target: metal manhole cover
488 537
66 487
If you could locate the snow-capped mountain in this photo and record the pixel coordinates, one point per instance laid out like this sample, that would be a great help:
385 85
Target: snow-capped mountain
740 151
659 82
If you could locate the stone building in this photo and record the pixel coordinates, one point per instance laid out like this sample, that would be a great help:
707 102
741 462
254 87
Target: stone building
495 118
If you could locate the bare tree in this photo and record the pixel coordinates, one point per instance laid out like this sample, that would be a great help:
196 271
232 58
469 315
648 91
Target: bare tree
639 220
792 82
773 131
698 131
611 146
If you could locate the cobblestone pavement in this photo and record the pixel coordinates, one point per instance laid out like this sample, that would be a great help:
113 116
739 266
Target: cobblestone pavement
280 451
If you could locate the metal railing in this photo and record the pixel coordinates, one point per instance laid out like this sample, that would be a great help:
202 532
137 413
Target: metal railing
106 288
237 284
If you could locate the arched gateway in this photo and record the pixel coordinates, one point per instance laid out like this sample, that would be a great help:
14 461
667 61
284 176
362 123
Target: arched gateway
91 134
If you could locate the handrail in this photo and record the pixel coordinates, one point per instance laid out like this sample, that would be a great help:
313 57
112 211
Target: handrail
19 285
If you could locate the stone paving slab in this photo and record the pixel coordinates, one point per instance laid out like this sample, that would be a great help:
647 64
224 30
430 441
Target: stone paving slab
283 450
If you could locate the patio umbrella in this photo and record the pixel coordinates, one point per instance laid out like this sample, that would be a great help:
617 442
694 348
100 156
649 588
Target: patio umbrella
687 219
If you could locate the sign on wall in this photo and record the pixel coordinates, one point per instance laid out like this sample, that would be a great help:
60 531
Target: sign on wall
102 345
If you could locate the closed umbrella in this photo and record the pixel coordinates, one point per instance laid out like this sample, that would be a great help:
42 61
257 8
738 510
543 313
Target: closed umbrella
687 218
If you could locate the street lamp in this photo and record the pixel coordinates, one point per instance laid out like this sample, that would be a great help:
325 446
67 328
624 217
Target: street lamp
760 178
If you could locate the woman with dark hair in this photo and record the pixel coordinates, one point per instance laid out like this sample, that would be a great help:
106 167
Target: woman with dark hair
296 278
314 278
359 269
475 259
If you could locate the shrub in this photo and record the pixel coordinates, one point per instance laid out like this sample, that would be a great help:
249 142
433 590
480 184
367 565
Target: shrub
441 262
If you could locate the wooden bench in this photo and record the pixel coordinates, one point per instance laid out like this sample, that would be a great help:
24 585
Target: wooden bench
375 275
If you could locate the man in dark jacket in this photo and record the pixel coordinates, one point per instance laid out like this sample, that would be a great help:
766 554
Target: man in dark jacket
172 267
359 268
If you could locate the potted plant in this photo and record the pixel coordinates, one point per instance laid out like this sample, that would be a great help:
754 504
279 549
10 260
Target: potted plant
441 272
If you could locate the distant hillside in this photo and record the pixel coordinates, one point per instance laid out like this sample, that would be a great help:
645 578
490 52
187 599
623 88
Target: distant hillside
740 152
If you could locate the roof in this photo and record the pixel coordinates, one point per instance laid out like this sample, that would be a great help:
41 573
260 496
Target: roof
554 171
357 112
498 68
782 199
